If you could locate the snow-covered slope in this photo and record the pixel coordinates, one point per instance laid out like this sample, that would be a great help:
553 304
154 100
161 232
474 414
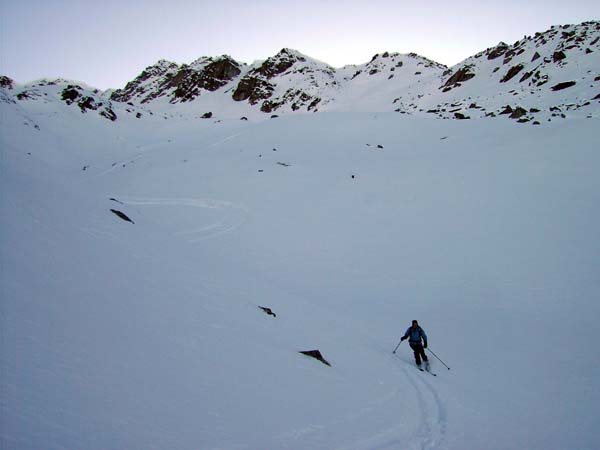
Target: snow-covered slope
137 254
539 78
535 79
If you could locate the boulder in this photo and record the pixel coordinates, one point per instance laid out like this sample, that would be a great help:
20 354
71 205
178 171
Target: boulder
317 355
121 215
564 85
558 56
268 311
497 51
6 82
518 112
461 75
511 73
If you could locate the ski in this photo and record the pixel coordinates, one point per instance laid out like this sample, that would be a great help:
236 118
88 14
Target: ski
428 371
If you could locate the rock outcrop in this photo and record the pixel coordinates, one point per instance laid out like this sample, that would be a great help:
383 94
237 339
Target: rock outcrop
557 68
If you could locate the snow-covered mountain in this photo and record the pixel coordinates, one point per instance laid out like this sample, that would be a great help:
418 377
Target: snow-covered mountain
165 279
535 79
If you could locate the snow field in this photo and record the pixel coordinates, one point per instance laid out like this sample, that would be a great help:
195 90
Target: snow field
149 335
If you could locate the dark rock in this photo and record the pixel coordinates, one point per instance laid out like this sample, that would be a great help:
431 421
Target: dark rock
511 73
24 96
507 110
219 72
558 56
189 82
70 94
317 355
122 215
243 118
459 76
564 85
207 115
279 63
109 114
137 88
253 89
460 116
535 56
314 104
269 106
597 97
497 51
6 83
525 76
268 311
87 103
185 82
518 112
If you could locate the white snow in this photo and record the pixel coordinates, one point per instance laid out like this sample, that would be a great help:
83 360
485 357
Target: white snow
348 225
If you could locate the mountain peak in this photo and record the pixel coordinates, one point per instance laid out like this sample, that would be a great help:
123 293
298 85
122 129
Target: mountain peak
553 70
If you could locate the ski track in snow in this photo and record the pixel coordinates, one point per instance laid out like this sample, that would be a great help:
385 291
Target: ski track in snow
428 435
233 215
433 415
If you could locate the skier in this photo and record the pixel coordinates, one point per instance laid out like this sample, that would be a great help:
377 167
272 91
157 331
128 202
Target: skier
415 334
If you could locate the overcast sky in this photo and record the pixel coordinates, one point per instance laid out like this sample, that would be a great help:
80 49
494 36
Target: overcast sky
106 43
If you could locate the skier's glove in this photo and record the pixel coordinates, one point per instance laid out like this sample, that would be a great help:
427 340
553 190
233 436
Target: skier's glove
402 339
425 344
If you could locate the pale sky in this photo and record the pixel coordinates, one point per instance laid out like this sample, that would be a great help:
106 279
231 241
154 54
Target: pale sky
106 43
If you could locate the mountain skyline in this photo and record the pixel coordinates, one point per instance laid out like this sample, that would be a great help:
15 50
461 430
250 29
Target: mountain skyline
106 45
538 78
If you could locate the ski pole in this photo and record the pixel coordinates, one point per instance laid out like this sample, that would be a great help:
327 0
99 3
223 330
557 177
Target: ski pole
438 358
397 346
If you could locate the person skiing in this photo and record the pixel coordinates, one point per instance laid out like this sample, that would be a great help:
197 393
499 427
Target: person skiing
415 334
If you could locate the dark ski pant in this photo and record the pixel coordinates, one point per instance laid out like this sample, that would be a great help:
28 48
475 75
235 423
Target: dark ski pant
419 352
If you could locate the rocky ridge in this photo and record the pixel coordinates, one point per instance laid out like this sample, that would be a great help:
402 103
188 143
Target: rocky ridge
541 77
538 77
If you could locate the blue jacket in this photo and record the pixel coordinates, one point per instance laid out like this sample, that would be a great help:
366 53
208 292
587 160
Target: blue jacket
415 336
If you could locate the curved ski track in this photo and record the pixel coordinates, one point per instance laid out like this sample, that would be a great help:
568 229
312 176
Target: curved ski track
233 215
433 415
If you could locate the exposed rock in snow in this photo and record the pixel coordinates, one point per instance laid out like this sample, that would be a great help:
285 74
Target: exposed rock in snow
527 72
317 355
